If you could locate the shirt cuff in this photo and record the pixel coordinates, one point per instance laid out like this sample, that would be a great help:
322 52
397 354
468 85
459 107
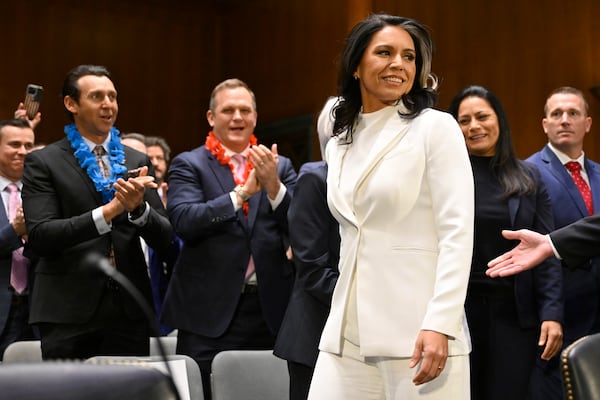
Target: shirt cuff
142 219
233 198
553 248
101 225
279 198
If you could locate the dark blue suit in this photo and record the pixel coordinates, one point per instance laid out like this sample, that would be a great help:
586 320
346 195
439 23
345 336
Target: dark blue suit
204 300
9 241
315 241
581 285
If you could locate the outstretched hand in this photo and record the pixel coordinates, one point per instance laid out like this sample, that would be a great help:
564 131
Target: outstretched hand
531 251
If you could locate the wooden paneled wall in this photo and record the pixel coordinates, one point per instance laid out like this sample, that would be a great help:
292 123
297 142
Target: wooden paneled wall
167 56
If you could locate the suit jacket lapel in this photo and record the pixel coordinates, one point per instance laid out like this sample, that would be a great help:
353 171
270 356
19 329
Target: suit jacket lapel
394 130
3 216
392 133
562 175
513 207
593 177
225 180
73 164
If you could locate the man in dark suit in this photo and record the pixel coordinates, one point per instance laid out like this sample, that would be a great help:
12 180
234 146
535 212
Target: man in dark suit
228 202
566 122
16 140
315 241
160 265
77 202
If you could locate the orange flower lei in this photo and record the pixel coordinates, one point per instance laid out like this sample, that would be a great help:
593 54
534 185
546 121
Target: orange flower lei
216 148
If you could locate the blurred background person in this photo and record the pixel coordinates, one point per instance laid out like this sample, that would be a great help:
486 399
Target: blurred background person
160 264
135 140
504 315
159 153
315 243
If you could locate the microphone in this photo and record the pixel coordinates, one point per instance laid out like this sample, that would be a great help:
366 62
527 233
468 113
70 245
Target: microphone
98 262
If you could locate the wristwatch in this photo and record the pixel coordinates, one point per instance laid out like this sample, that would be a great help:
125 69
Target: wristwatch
138 211
239 190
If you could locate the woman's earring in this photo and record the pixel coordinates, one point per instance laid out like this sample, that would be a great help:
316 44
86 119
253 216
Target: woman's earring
355 76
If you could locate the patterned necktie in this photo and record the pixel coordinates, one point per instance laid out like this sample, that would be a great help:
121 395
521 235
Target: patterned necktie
240 168
99 152
238 172
18 270
575 168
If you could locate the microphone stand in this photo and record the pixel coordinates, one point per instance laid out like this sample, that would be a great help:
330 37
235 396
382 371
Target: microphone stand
107 269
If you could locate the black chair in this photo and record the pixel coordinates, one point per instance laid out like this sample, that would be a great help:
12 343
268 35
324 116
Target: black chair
580 363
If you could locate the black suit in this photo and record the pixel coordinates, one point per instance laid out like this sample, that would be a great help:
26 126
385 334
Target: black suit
578 242
58 199
315 241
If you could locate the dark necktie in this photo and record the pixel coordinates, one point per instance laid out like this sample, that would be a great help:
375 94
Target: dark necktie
18 270
99 152
575 169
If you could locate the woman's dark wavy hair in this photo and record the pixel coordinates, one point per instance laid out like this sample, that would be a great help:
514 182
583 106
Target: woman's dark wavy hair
423 93
510 171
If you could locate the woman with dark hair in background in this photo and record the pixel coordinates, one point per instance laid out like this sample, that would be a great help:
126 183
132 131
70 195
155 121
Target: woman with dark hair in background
504 314
400 186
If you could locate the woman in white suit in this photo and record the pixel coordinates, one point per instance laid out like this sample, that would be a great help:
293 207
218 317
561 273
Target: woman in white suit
401 187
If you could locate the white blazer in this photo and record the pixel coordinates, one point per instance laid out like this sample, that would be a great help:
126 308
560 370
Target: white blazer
407 234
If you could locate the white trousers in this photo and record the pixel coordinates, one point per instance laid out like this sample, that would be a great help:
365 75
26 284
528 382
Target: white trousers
352 377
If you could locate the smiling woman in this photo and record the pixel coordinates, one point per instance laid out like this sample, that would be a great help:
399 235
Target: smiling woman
509 194
405 211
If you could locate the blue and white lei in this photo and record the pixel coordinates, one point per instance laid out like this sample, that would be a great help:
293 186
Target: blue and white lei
87 160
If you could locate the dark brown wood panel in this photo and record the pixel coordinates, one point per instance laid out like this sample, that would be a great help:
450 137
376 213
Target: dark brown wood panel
160 55
167 56
520 50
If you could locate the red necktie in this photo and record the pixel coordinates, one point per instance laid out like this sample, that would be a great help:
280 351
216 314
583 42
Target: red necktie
18 270
575 168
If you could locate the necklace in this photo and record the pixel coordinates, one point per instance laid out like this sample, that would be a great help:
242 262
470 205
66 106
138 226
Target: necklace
87 160
216 148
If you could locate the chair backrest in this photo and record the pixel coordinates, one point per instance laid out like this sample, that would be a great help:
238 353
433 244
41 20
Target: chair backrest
191 375
581 368
78 381
249 375
168 342
31 351
28 351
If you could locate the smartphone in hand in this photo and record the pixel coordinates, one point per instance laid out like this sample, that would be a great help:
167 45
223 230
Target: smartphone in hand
33 97
133 173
